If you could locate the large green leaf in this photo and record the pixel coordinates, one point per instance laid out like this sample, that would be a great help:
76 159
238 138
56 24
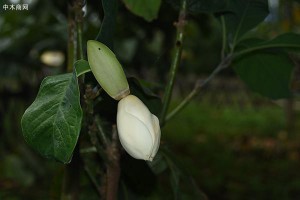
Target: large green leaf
243 16
52 123
287 41
265 73
146 9
201 6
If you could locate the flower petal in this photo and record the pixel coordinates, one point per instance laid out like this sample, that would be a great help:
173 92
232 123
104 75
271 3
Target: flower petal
157 136
134 136
137 108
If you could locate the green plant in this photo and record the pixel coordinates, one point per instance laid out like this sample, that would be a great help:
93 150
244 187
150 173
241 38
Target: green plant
71 106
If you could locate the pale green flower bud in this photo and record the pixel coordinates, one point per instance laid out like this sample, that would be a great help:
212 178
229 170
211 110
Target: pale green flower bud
107 70
138 128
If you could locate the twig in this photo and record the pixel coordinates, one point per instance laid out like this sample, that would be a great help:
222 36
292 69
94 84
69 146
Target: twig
93 180
101 133
79 24
92 122
94 140
199 85
113 166
176 60
88 150
71 39
223 37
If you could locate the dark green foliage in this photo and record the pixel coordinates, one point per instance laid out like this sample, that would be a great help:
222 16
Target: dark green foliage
107 29
146 9
268 74
183 185
287 41
242 16
137 175
152 101
265 66
201 6
108 106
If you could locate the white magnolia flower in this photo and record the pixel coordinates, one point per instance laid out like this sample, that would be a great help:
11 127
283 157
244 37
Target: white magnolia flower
138 128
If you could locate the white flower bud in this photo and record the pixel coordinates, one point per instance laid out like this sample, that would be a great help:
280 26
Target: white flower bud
138 128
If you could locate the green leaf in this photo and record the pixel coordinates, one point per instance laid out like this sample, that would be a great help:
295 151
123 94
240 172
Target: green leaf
201 6
243 16
52 123
108 108
137 176
81 67
107 29
158 164
265 73
146 9
175 179
287 41
152 101
179 177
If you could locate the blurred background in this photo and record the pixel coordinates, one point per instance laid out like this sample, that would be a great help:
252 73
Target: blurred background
234 143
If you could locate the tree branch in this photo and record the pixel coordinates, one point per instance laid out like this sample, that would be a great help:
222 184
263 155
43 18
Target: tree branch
223 37
176 60
113 166
93 180
199 85
79 25
71 39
